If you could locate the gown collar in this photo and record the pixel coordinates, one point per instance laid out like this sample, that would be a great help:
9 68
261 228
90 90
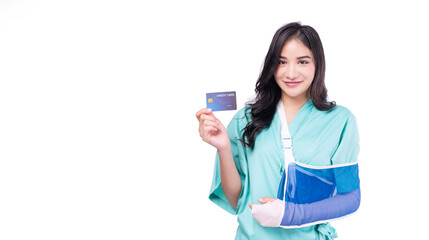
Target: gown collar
299 118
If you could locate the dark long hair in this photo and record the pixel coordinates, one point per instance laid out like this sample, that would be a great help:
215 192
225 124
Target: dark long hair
268 93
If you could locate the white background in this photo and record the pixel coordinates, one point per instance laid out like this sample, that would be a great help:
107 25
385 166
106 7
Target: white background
98 135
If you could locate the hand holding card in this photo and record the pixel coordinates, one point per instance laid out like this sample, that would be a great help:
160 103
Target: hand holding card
212 130
221 101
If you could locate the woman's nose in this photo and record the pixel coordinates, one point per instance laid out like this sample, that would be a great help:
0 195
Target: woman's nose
292 72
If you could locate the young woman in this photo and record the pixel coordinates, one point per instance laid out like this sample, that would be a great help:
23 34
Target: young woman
289 131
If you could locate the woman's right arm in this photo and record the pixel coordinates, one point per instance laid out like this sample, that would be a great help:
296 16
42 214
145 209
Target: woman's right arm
214 133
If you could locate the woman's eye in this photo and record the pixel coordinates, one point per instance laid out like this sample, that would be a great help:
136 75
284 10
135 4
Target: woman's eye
282 62
302 62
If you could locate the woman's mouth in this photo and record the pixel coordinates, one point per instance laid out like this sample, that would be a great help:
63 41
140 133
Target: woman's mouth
292 84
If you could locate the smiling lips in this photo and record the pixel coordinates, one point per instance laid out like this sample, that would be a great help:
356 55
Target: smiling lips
292 84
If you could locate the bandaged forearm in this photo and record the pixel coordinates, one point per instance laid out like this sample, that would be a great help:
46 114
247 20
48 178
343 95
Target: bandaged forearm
317 212
311 196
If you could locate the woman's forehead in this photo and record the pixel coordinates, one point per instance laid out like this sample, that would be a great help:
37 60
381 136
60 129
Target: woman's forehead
295 48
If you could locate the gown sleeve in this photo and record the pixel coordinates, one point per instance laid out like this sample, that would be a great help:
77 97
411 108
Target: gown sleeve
216 195
346 199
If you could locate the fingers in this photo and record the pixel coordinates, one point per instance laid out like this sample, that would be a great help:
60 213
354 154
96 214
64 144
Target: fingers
204 117
207 111
206 120
211 129
263 200
266 200
208 123
206 130
208 127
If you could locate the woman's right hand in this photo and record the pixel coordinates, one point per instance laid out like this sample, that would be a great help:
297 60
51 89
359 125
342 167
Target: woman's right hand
212 130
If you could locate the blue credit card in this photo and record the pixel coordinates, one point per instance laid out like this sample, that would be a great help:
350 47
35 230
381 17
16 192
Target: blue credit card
221 101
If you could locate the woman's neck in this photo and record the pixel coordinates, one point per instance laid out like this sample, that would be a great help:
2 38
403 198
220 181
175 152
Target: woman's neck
293 105
294 102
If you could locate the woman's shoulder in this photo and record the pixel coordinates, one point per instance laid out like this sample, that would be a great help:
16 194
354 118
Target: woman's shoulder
338 113
342 110
241 117
239 121
242 112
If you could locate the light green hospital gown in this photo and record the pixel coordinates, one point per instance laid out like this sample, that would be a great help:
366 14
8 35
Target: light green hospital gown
319 138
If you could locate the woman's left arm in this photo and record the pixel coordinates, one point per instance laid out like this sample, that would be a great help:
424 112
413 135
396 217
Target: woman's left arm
276 213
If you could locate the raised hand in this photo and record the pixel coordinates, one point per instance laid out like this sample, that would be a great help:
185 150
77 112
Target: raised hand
212 130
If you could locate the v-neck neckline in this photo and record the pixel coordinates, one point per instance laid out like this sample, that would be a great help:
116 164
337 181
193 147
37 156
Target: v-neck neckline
299 118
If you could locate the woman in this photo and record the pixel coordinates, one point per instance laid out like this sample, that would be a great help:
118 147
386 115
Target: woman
252 156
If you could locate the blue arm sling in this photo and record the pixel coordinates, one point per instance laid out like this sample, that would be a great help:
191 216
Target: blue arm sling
310 194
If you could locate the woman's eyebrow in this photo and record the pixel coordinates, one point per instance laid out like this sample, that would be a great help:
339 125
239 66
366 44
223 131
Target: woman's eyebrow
298 57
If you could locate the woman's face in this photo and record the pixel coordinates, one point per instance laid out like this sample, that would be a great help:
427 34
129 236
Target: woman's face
296 69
